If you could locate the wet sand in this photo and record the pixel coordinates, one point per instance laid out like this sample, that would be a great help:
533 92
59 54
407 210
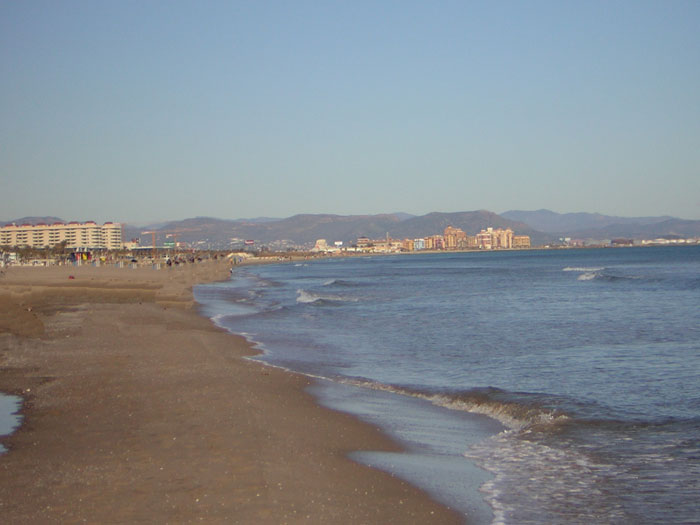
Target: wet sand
136 409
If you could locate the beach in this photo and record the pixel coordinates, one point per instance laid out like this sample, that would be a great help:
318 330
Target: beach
138 409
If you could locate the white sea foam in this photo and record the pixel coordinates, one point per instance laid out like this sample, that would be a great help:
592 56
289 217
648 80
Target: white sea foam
564 484
583 269
587 273
218 318
307 297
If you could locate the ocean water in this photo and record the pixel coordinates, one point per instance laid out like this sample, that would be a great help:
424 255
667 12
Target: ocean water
528 387
9 417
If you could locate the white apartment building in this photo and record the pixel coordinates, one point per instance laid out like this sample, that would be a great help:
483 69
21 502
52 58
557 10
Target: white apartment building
490 239
85 235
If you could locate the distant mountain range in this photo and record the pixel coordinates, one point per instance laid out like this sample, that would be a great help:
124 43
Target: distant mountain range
597 226
543 227
563 223
304 230
33 220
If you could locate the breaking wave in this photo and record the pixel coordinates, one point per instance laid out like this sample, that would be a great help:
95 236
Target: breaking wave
587 273
516 412
514 415
308 297
630 276
583 269
339 283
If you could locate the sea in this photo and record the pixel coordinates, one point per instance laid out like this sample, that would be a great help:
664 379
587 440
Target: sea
9 416
552 386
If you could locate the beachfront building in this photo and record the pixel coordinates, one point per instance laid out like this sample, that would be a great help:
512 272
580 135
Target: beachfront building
435 242
363 243
521 242
503 238
386 245
484 240
76 235
492 239
451 239
320 246
455 238
407 245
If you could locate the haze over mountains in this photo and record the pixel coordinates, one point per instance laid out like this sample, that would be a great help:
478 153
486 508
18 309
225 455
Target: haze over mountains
550 222
543 227
597 226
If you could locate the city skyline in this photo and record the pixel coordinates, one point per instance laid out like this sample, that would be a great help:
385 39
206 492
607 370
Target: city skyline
148 112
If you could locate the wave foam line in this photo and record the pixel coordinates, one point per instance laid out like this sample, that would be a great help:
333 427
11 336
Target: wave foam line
513 415
583 269
307 297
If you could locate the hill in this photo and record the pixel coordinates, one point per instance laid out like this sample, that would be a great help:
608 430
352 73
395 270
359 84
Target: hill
33 220
557 223
469 221
598 226
669 229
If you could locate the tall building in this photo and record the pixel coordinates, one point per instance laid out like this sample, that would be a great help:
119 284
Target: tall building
434 242
77 235
454 238
503 238
484 239
521 241
490 239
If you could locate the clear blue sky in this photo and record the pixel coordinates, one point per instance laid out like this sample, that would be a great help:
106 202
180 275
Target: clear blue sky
142 111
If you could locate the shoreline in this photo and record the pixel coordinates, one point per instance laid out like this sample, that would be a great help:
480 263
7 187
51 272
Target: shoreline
163 419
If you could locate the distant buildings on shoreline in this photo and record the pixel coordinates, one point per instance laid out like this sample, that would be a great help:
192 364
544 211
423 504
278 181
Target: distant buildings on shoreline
76 235
90 236
451 239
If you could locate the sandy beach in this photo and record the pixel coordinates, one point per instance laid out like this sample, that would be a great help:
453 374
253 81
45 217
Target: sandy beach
137 409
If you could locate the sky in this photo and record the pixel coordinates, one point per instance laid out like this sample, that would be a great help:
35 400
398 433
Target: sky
141 112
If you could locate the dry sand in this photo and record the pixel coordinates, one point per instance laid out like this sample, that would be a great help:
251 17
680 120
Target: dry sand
136 409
